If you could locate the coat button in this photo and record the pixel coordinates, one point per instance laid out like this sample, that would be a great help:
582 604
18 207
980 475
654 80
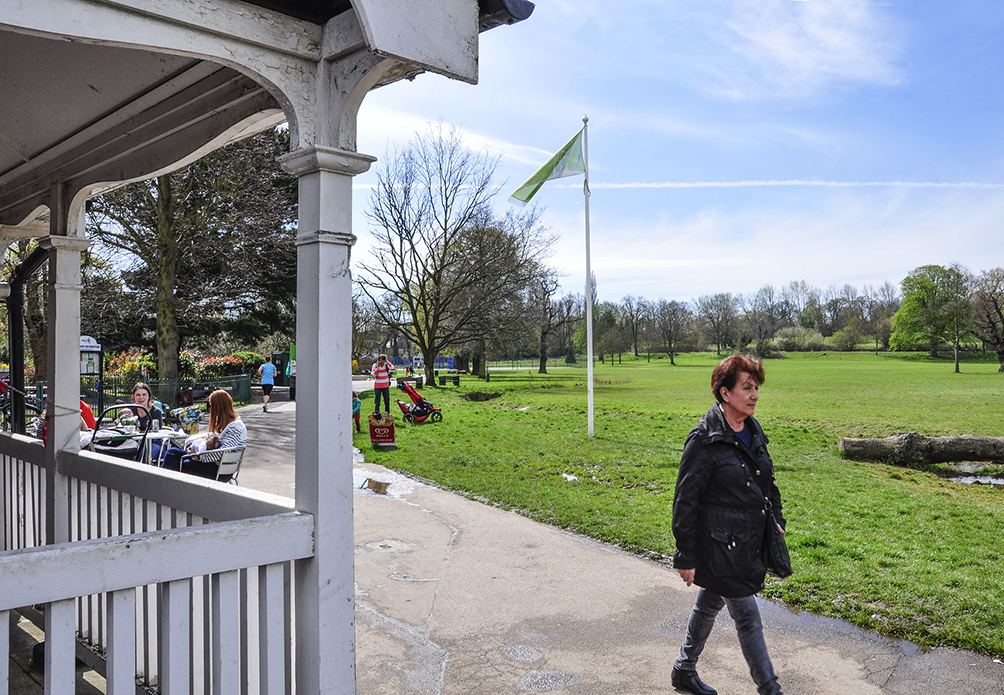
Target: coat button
747 483
764 512
758 472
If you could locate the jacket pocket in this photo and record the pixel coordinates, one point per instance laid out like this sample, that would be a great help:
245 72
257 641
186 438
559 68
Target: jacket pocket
729 553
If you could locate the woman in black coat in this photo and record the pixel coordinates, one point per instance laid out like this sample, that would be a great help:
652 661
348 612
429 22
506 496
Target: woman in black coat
723 495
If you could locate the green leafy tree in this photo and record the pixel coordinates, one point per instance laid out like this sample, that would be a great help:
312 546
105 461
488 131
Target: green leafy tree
208 247
935 309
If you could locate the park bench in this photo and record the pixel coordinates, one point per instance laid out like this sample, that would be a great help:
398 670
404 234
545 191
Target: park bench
452 377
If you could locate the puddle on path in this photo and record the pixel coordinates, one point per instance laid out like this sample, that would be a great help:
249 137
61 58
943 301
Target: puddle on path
780 613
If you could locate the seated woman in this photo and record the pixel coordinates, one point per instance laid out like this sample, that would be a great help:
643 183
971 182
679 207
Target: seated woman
149 419
227 428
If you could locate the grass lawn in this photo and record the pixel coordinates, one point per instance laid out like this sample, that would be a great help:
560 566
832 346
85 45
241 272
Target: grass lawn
896 550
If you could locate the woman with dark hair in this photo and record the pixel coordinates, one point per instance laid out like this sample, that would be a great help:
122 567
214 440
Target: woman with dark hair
724 493
149 416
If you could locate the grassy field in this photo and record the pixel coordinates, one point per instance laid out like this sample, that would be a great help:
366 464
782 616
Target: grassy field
900 551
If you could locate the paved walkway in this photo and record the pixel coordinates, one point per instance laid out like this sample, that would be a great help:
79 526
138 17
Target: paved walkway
460 598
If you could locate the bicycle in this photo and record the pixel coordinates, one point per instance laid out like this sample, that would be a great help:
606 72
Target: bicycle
31 411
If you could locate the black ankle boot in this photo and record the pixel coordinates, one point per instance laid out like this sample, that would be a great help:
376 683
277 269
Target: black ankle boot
689 682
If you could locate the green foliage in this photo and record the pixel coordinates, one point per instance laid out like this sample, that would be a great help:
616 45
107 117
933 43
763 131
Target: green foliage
187 362
250 361
935 308
127 365
901 551
799 339
848 337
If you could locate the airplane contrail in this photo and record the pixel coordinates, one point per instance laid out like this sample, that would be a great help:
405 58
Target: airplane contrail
795 182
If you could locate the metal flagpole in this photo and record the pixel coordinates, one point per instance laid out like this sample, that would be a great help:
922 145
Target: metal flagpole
589 280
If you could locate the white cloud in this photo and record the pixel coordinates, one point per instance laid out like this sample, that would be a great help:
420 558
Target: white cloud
795 48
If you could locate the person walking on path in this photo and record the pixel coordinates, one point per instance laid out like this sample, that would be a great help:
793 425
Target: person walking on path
724 492
267 374
381 373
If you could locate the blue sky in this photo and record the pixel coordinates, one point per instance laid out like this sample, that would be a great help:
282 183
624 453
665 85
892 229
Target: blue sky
734 144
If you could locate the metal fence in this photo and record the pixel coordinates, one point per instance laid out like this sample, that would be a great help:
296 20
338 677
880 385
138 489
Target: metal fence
167 391
534 362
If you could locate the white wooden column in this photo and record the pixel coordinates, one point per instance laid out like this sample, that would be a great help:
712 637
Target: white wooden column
325 628
65 243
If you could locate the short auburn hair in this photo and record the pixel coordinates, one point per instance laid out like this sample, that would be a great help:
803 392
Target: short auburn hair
727 373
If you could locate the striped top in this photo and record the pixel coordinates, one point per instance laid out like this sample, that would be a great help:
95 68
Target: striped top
381 375
234 434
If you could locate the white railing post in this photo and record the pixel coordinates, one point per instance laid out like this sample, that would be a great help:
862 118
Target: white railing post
226 633
325 628
121 666
175 645
271 650
4 650
60 648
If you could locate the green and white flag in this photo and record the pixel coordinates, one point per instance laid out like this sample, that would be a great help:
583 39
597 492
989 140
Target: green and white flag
567 162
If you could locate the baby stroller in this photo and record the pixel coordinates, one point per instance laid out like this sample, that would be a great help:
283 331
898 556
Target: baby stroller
419 409
188 418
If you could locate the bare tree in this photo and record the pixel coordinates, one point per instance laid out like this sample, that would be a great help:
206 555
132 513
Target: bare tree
549 315
881 304
672 321
988 311
719 313
764 313
366 325
632 310
444 265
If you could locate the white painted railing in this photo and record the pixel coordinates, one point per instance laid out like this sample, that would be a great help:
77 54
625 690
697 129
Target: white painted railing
168 580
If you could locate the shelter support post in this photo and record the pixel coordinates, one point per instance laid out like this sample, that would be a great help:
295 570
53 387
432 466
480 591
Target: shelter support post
64 245
325 625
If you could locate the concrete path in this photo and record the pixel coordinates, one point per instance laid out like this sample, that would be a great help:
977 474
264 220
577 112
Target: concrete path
460 598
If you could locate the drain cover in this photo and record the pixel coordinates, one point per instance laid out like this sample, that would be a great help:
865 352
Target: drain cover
523 654
542 681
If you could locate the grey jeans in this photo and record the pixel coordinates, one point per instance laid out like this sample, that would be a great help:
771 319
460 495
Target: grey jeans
746 615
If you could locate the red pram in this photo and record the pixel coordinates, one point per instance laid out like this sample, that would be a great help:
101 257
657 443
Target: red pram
419 409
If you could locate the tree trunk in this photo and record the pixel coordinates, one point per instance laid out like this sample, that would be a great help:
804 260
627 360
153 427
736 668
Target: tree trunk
429 357
542 369
35 326
1000 358
168 338
483 354
956 358
671 360
911 447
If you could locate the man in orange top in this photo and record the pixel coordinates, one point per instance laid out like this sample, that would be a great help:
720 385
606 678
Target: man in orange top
381 373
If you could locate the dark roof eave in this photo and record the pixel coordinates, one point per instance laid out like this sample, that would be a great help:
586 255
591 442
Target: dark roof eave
491 13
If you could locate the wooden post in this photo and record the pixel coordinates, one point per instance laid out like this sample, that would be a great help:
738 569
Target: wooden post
325 588
64 244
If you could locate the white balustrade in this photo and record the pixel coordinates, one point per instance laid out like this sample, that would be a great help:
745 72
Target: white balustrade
169 581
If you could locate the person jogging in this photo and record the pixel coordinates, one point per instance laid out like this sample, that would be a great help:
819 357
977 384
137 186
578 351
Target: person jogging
267 374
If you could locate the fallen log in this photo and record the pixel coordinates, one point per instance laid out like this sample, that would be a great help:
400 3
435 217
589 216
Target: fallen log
910 447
